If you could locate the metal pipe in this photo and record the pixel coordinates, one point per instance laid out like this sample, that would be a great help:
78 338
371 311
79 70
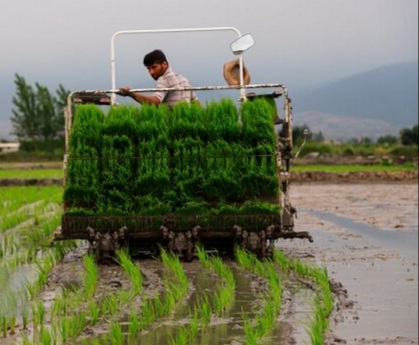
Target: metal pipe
192 88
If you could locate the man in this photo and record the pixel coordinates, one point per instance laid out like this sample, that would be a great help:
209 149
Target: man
159 69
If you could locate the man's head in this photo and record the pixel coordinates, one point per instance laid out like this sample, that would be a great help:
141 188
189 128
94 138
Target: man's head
156 63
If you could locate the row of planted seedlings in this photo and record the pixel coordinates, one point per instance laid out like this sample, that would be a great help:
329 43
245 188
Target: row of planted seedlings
322 304
257 328
215 303
75 311
156 161
142 315
28 217
176 286
219 302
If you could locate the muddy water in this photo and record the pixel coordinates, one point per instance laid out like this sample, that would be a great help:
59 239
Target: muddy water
368 238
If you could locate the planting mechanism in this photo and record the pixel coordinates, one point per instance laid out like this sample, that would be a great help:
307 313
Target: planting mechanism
181 233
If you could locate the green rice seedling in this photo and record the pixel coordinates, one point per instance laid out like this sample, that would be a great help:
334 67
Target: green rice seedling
251 337
323 303
71 326
318 325
38 314
272 303
172 263
225 295
182 337
245 259
4 326
134 326
64 327
131 269
94 312
109 305
77 323
45 337
176 158
163 306
12 324
272 307
59 307
188 334
26 340
223 299
205 311
25 316
90 278
116 170
125 296
116 336
44 266
148 314
194 325
281 260
203 257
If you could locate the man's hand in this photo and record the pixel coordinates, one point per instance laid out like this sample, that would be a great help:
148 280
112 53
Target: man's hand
124 91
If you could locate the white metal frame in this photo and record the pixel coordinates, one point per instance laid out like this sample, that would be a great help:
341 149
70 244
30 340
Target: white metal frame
131 32
242 88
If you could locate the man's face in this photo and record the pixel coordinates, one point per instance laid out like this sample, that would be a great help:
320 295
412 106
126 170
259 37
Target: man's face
157 69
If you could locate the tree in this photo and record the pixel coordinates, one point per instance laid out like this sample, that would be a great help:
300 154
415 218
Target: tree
387 139
299 132
37 114
409 136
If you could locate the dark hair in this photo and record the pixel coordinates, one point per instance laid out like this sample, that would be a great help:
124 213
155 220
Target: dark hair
156 56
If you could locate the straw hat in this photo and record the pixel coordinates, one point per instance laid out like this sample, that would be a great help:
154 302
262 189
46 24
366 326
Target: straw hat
231 72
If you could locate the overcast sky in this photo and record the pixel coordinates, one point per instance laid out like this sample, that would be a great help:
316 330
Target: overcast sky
298 42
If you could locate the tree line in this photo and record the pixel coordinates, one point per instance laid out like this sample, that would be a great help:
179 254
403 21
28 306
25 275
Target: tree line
38 118
38 114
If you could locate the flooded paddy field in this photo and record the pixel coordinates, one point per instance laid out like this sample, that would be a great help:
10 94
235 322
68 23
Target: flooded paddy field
366 235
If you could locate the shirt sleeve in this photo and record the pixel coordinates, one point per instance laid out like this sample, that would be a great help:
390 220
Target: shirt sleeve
161 83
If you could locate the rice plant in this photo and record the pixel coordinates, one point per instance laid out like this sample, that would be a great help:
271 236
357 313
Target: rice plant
90 278
265 320
175 268
322 305
116 336
186 161
94 312
225 296
134 326
131 269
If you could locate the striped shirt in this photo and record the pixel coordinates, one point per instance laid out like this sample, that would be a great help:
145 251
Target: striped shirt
172 80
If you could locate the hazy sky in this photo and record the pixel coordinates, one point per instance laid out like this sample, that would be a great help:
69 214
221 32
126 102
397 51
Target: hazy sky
298 42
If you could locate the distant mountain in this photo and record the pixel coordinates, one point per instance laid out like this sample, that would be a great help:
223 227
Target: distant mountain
374 103
370 104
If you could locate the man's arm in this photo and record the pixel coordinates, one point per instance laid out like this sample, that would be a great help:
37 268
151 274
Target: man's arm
139 97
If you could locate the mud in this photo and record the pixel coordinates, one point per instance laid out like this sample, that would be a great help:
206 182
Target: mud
409 176
367 236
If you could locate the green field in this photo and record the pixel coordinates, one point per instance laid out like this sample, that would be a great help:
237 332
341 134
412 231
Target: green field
41 173
353 168
31 173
